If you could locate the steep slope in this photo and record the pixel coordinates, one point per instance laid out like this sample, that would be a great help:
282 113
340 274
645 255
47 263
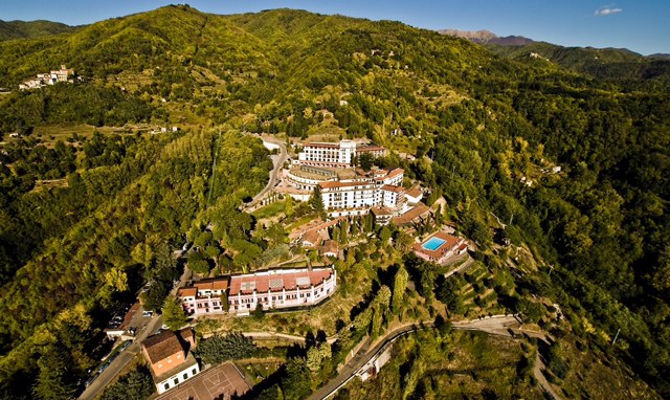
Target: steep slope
476 122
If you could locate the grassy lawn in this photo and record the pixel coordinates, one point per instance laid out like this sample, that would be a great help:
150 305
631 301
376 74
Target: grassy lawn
270 210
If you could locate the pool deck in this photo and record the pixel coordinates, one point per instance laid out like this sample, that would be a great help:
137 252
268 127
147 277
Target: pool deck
450 246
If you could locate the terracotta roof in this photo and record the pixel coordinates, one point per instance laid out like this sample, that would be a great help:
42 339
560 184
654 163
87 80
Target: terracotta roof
415 191
161 346
379 211
278 279
395 172
392 188
212 284
420 210
330 246
312 237
450 243
187 292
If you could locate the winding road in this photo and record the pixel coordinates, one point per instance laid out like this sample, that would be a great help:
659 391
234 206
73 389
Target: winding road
495 325
270 143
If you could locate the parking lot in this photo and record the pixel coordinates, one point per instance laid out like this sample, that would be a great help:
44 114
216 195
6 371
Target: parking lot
220 382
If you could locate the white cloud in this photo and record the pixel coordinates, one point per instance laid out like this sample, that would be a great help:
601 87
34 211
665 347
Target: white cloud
607 10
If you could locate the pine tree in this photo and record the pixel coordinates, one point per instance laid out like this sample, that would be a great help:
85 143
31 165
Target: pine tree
399 287
316 201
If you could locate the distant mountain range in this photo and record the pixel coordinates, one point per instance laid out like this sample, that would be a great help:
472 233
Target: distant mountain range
602 63
29 29
487 37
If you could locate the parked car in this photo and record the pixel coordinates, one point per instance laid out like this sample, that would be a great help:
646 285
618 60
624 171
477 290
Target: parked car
148 313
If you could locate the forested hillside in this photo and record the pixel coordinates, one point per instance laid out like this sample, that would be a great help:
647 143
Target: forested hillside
22 29
626 68
476 122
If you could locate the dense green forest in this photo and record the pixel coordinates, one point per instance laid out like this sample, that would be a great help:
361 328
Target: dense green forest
22 29
478 124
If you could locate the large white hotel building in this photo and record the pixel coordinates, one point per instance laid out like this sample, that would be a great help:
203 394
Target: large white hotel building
336 155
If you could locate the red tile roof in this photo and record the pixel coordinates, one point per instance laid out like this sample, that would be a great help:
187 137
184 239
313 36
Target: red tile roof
162 346
395 172
418 211
393 188
450 243
187 292
212 284
277 279
415 191
312 237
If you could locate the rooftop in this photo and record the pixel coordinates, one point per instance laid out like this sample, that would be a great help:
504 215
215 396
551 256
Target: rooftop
418 211
278 279
392 188
162 345
450 242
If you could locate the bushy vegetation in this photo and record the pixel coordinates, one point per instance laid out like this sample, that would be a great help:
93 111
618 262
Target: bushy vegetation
486 133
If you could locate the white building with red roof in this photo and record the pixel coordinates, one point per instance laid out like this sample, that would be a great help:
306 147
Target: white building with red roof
280 288
337 155
204 297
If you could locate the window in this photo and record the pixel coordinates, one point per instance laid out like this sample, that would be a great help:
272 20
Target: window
176 381
166 386
185 376
193 371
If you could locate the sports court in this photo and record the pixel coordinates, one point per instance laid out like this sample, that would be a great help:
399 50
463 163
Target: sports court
220 383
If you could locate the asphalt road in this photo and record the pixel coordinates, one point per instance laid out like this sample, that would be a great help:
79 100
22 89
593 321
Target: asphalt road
278 163
95 389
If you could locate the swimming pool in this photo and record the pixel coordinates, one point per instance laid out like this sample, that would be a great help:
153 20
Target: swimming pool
433 244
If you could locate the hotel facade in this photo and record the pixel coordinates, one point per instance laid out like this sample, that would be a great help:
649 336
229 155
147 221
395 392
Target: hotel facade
271 289
358 196
336 155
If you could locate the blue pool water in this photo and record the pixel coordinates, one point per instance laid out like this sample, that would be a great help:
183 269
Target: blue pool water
433 244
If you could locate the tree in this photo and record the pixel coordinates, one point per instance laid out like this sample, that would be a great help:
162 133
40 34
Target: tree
137 384
385 235
297 380
258 314
365 161
54 381
154 296
173 314
220 348
316 201
224 301
399 287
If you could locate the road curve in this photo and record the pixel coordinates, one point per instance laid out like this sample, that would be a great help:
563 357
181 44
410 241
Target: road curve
278 164
495 325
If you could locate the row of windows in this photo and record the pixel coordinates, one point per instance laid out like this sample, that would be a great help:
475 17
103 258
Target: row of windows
194 371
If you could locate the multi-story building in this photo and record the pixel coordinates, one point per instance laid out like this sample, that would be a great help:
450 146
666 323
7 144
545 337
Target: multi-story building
357 196
338 155
204 297
170 359
272 289
280 288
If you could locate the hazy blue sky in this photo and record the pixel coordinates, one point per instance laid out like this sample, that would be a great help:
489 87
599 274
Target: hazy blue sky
642 25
